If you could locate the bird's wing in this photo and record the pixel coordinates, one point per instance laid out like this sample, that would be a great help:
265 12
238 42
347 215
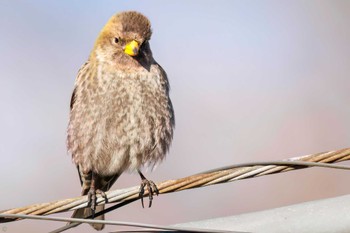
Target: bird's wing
81 71
166 86
72 99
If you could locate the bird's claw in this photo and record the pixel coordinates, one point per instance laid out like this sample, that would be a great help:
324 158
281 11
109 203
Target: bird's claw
151 189
92 199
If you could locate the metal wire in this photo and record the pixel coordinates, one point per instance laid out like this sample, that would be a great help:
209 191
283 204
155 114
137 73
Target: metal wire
115 223
221 175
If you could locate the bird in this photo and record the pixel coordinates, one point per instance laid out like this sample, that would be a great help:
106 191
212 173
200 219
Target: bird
121 116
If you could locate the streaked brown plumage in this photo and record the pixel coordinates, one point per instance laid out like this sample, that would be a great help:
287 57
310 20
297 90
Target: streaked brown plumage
121 115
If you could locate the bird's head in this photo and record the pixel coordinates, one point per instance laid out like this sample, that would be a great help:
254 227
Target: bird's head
124 38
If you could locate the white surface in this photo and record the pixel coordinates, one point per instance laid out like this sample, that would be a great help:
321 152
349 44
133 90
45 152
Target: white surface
328 215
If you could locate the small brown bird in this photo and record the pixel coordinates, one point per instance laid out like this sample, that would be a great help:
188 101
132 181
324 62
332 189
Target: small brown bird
121 116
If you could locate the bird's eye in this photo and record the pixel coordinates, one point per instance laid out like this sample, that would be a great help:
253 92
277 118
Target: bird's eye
116 40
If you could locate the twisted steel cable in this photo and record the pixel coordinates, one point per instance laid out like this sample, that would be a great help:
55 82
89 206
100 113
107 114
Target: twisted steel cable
216 176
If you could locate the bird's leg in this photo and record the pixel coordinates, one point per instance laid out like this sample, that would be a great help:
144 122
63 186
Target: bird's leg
92 199
151 188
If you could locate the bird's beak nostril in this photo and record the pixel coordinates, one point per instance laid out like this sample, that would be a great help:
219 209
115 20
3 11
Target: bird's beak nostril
132 48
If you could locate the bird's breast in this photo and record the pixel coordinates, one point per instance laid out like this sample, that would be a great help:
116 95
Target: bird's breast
126 121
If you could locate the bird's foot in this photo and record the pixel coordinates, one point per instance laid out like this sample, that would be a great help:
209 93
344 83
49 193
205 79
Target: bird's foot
151 188
92 199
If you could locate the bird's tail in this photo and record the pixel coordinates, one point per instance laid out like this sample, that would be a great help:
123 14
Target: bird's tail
85 212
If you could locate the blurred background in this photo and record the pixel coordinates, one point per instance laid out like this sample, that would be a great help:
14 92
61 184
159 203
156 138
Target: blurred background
250 81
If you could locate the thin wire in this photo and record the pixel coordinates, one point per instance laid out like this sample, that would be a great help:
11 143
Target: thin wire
279 163
115 223
75 223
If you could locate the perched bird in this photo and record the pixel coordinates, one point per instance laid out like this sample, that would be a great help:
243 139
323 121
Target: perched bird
121 116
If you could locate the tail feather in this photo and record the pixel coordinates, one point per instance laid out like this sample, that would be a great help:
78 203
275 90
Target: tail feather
85 212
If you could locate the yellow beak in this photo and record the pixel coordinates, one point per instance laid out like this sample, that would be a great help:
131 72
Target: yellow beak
132 48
